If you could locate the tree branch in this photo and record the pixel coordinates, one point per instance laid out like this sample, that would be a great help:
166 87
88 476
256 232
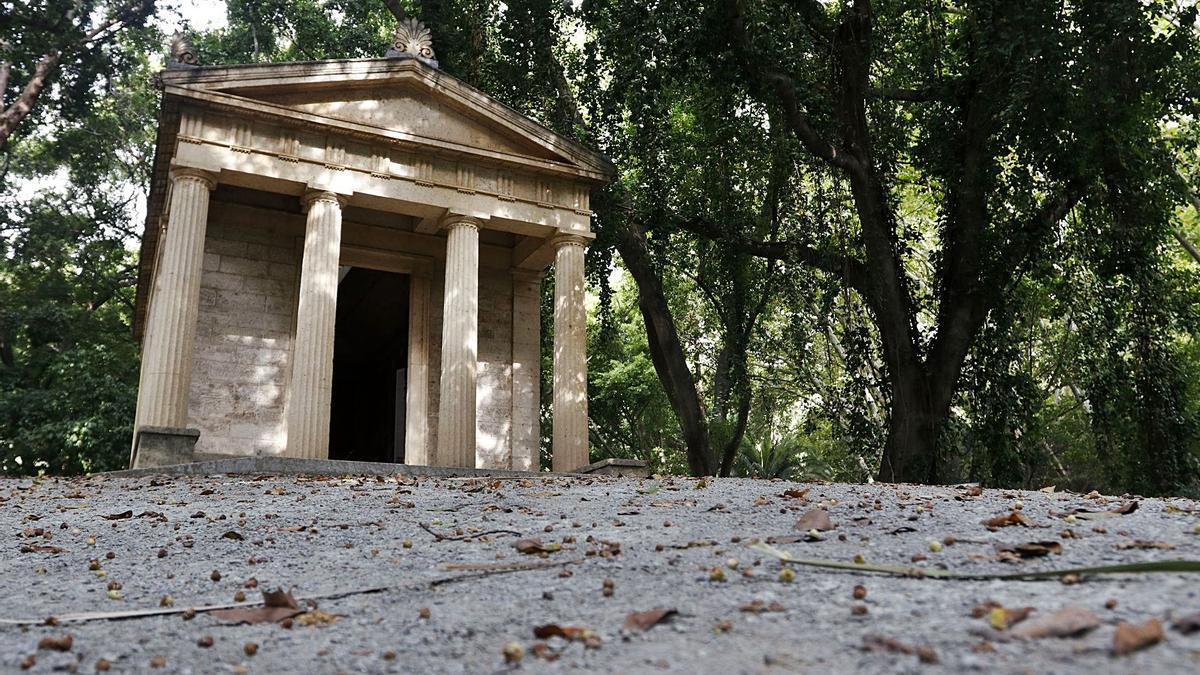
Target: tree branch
785 88
850 270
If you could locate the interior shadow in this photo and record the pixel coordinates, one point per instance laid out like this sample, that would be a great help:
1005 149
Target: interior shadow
370 357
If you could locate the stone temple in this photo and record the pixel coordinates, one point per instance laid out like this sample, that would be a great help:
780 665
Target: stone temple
343 259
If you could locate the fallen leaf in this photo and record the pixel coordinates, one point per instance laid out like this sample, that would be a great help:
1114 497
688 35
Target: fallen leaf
816 519
535 545
58 644
1031 549
1122 509
569 633
232 534
1187 624
43 549
1129 637
760 607
119 516
875 643
1145 544
277 606
796 494
1066 622
1003 618
1014 518
649 618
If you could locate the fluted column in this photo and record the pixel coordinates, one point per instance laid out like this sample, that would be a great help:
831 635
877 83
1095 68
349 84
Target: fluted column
166 375
312 353
460 338
570 356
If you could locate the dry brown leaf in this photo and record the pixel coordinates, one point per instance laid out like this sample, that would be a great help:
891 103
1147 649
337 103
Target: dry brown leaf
277 606
796 494
1003 618
1014 518
1031 549
1066 622
58 644
816 519
760 607
1122 509
535 545
876 643
543 651
1145 544
569 633
649 618
119 516
1130 637
42 549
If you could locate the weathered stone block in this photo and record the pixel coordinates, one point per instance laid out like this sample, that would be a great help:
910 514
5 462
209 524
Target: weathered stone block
164 446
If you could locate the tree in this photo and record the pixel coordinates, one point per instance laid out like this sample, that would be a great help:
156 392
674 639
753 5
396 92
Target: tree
40 39
955 103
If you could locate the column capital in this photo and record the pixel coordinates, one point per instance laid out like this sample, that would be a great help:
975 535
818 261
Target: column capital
453 220
565 239
186 172
311 196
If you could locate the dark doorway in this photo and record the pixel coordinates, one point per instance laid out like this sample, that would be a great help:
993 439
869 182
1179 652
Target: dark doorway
370 360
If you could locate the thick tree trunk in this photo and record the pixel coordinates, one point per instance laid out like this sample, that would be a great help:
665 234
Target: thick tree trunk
665 349
918 418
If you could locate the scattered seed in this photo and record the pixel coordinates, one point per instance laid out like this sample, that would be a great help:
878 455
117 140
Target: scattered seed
858 610
513 652
251 648
239 597
102 665
787 575
215 576
158 662
424 613
205 641
860 592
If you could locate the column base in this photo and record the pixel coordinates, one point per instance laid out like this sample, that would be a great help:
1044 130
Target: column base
628 468
163 446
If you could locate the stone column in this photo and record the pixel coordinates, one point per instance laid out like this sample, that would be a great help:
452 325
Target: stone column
166 376
416 416
312 352
526 368
460 340
570 356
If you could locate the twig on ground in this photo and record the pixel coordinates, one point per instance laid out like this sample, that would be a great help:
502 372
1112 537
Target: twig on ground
463 537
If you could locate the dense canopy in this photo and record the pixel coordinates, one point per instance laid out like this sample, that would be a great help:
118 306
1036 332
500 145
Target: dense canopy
908 240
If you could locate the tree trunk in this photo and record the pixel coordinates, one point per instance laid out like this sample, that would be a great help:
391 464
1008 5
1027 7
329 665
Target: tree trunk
665 349
918 417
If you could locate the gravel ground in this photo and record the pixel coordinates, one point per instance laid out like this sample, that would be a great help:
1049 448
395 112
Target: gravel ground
658 542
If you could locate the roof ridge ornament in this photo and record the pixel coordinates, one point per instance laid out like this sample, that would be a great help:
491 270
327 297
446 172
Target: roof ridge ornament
183 51
412 40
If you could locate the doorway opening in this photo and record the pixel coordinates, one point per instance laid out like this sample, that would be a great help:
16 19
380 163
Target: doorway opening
370 361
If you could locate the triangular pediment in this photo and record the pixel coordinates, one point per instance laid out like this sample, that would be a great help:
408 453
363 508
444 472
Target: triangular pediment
399 98
408 109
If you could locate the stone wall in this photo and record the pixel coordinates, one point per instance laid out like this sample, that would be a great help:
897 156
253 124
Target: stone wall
247 319
244 332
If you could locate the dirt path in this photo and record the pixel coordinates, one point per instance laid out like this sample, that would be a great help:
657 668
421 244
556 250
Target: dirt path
453 600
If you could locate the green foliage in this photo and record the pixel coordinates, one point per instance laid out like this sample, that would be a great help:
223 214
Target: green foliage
1084 370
